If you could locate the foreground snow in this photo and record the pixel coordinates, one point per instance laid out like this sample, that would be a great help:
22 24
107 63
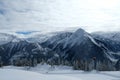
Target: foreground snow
13 74
46 72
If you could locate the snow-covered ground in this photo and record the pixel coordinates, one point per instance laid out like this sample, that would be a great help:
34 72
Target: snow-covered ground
46 72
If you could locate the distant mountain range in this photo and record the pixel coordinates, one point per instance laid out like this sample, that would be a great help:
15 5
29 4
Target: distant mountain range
82 50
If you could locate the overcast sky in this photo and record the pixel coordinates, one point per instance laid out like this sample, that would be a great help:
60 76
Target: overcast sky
91 15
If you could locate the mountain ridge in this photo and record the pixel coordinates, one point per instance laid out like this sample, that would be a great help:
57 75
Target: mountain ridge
71 47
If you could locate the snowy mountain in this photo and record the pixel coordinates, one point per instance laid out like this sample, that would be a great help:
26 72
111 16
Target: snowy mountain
5 38
74 44
82 46
77 49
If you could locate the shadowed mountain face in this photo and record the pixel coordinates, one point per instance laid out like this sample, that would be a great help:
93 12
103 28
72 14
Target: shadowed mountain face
79 45
78 49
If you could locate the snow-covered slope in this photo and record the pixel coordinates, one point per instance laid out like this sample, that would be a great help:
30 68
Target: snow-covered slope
5 38
14 74
108 35
110 41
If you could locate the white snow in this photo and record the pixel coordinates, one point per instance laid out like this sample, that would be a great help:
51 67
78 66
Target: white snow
93 40
46 72
13 74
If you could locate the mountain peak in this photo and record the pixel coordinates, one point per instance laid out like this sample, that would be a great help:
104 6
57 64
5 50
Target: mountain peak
79 32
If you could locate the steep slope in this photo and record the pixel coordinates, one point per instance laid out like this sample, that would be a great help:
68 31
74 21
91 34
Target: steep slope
111 41
55 39
83 47
76 44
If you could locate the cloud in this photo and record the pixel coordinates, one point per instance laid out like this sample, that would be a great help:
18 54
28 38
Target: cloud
92 15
